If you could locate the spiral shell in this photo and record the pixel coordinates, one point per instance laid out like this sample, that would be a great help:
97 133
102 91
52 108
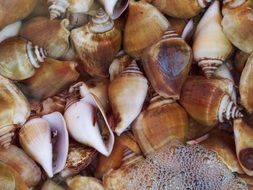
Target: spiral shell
57 8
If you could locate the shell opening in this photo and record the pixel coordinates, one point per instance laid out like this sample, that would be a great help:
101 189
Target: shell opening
209 66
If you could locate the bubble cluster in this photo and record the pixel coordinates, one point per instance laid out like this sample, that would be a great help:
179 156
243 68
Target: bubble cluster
180 167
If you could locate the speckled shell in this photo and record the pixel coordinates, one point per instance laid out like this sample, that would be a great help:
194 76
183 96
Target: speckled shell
237 23
144 26
14 10
52 35
167 64
96 44
182 8
162 122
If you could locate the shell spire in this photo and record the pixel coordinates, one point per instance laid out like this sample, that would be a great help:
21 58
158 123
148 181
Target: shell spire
132 68
228 110
57 8
170 34
36 54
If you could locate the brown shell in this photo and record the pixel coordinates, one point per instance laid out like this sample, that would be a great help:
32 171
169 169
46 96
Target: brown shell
52 35
167 64
123 143
223 144
246 85
145 25
162 122
240 60
201 99
178 9
51 78
237 23
14 10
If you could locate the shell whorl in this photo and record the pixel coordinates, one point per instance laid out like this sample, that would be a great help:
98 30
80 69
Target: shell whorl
101 22
36 54
170 34
209 66
132 68
6 134
57 8
228 110
204 3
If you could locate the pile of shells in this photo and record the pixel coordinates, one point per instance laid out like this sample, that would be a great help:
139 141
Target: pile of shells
94 91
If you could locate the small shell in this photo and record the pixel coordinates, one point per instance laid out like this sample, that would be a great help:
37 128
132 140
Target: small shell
211 47
114 8
127 93
167 64
145 25
93 129
57 8
22 164
237 23
52 35
162 122
97 43
10 31
246 85
19 58
84 183
182 8
244 145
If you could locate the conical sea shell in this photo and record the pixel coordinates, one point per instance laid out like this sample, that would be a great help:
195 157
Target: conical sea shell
145 25
211 47
87 122
167 64
52 35
127 93
57 8
244 145
19 58
114 8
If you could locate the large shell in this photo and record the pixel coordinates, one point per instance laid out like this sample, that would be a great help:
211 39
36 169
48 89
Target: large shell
87 122
167 64
244 145
237 23
223 144
12 11
162 122
211 47
208 101
10 179
51 78
22 164
127 93
52 35
36 135
182 8
10 31
14 110
145 25
114 8
19 58
125 145
246 85
97 43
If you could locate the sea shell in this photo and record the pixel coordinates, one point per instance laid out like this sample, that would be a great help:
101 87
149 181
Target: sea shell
237 23
208 101
223 144
127 93
15 10
51 78
246 85
87 122
167 64
19 58
244 145
114 8
35 138
84 183
210 46
14 110
52 35
10 30
125 147
97 43
145 25
57 8
160 123
22 164
182 8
